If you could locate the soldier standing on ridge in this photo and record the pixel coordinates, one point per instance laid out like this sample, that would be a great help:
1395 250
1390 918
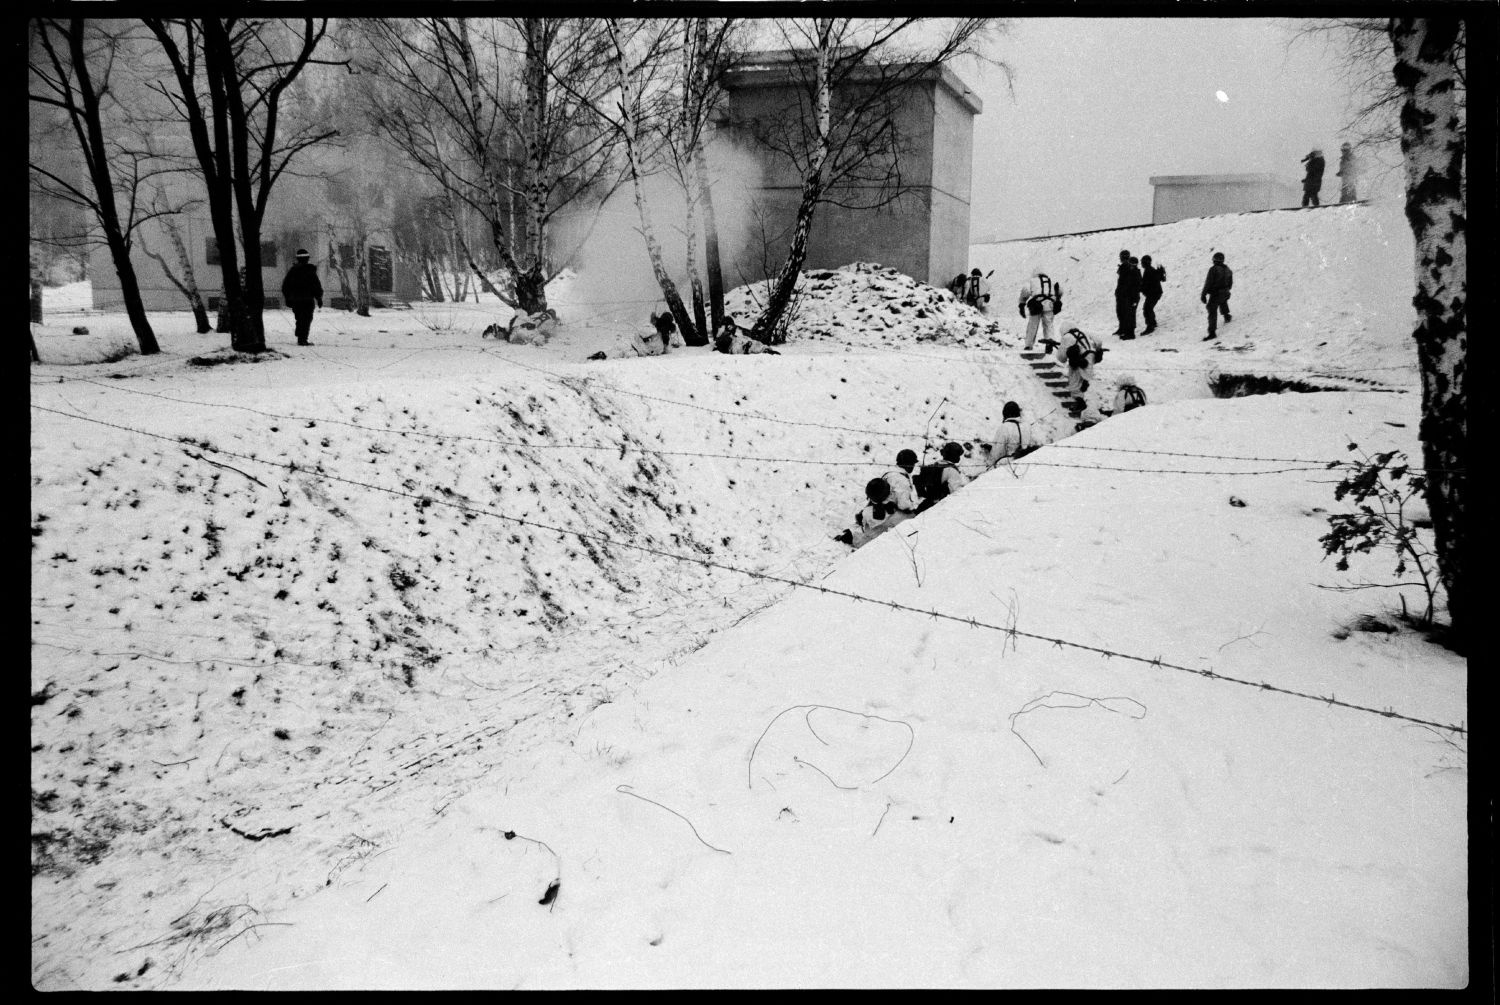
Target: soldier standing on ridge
1312 182
1151 280
1215 294
1127 295
300 290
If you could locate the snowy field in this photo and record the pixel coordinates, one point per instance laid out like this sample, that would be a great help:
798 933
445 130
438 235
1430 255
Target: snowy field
416 660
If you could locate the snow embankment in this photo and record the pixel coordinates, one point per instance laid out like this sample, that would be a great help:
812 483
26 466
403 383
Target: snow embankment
1313 289
839 794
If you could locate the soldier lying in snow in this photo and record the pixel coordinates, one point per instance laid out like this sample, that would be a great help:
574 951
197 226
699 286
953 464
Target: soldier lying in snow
656 342
525 329
733 340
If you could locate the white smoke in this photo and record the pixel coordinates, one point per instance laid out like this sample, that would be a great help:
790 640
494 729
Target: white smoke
612 276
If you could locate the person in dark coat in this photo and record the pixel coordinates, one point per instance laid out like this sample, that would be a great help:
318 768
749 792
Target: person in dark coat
301 290
1151 280
1312 182
1348 175
1127 295
1216 294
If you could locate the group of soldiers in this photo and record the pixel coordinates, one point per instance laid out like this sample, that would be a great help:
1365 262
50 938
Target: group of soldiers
906 490
1312 178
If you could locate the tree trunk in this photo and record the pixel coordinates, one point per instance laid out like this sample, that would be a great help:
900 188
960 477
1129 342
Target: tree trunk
1432 143
36 300
362 280
688 125
35 356
246 303
173 278
130 291
769 321
643 209
710 244
536 124
250 332
189 283
109 217
699 335
705 191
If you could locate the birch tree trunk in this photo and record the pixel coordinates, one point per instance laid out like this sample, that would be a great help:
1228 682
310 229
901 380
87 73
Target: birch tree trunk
710 243
536 125
692 136
705 194
189 283
1433 145
200 314
812 190
628 127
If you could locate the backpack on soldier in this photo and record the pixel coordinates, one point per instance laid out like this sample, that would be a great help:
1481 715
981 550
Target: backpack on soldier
929 482
1083 351
1050 291
973 295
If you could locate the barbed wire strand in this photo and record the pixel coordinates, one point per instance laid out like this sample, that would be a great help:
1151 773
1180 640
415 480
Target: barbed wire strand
979 466
1010 632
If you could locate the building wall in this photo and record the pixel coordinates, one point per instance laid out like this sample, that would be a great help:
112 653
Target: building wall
924 233
334 186
1173 201
952 180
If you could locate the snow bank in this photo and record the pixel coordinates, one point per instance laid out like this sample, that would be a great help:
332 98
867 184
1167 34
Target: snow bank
1314 289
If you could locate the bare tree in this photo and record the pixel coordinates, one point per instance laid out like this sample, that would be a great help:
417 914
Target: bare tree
182 276
851 72
708 49
230 77
475 106
72 73
1429 71
633 110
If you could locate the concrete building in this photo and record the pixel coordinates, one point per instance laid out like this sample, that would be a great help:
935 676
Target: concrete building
923 233
1180 196
335 204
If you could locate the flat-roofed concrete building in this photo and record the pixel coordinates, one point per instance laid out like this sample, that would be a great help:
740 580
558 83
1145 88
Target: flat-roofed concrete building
338 205
1181 196
923 233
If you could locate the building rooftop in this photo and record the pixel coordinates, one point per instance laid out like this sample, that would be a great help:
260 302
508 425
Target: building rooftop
1216 179
763 69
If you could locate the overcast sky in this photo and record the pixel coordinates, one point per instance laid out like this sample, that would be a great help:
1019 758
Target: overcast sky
1103 104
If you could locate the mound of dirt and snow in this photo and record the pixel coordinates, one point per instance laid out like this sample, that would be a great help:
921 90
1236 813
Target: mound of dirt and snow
870 304
439 569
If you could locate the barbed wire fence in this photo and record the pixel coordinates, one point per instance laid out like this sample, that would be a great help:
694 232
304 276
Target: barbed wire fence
1010 632
1311 464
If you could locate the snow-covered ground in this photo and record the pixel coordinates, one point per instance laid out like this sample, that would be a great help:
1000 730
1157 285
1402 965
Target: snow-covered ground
346 660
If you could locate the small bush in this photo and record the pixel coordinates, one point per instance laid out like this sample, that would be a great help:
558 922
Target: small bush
1382 487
